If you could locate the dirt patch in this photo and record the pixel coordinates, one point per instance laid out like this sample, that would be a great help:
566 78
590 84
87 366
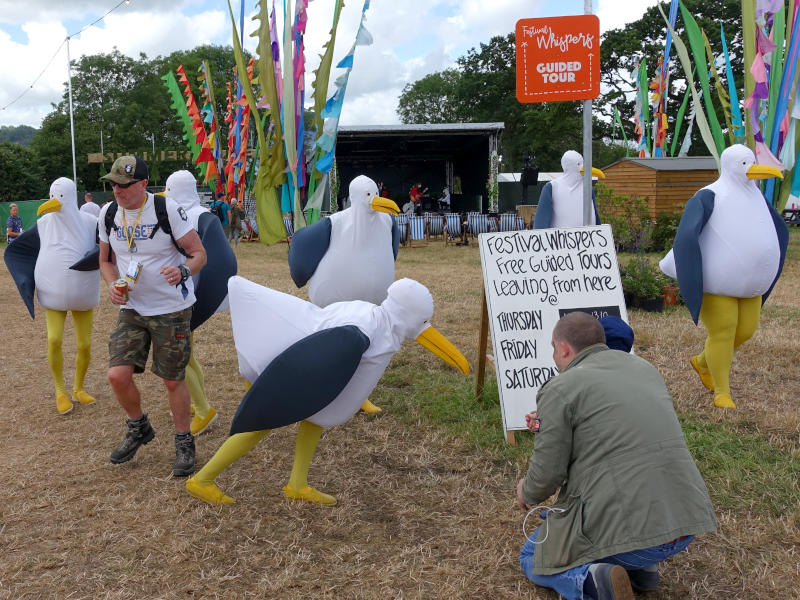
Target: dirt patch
420 515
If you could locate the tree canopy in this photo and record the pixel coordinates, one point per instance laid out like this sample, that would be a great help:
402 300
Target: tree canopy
124 100
481 88
644 39
22 176
19 134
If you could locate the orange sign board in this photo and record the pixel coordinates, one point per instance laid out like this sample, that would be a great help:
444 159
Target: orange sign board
558 58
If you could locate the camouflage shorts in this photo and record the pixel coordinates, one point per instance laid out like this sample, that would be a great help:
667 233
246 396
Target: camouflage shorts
129 343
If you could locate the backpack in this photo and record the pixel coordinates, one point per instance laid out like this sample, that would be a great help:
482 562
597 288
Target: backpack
216 209
160 204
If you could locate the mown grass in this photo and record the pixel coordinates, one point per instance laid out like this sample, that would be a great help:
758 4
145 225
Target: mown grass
449 402
743 470
426 489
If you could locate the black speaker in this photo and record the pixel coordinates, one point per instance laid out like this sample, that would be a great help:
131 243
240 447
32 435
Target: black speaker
530 176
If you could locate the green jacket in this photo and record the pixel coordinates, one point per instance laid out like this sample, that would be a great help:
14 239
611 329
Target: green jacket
610 439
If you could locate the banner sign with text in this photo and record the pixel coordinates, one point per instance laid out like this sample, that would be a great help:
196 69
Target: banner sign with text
558 58
532 278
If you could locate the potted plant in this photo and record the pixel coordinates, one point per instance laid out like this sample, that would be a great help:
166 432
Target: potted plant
671 293
645 284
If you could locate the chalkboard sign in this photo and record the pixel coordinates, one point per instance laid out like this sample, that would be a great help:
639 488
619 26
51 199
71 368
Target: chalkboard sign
531 279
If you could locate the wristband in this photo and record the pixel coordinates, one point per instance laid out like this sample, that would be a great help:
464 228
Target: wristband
185 272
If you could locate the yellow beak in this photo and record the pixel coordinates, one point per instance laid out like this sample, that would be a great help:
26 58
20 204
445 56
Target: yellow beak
596 173
160 194
763 172
52 205
380 204
441 347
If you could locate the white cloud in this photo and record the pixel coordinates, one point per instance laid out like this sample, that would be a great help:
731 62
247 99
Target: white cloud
613 17
412 38
157 33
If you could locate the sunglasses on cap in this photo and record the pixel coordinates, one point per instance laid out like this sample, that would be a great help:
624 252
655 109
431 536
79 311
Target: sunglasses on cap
123 185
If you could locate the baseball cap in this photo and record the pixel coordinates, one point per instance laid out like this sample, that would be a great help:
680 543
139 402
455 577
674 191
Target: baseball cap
127 169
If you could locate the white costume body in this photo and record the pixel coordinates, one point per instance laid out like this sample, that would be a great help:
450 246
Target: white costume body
90 208
359 262
568 193
739 244
181 187
65 236
266 322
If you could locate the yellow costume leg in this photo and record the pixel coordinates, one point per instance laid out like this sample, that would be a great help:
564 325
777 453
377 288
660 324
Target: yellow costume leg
749 317
83 342
202 485
204 414
370 408
720 315
298 489
55 357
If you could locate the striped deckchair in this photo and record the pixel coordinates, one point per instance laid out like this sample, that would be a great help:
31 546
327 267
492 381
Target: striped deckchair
508 222
417 228
402 226
287 223
452 227
520 223
480 223
252 230
435 224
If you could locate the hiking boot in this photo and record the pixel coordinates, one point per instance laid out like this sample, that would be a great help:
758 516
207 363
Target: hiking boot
644 580
608 582
184 455
139 432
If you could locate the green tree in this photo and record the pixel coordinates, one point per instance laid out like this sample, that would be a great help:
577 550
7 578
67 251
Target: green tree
482 88
644 39
22 176
431 99
124 100
20 134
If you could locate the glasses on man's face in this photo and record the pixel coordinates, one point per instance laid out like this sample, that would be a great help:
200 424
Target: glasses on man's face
123 185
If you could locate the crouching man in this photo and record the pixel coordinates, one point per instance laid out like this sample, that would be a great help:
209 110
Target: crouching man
630 493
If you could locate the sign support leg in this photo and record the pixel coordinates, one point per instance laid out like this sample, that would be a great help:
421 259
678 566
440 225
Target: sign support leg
482 343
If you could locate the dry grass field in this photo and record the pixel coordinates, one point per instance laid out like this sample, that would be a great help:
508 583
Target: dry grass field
426 506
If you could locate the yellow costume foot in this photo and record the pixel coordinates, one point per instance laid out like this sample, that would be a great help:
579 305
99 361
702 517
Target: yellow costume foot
63 404
309 494
207 493
82 397
369 408
199 425
705 374
723 401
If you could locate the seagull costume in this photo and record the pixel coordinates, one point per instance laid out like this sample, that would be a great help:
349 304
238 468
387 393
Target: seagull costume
40 259
727 256
350 344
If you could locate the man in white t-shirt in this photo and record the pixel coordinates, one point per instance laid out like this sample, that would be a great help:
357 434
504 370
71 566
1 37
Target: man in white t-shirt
158 308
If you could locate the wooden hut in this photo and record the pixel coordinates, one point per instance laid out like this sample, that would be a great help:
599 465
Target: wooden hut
665 183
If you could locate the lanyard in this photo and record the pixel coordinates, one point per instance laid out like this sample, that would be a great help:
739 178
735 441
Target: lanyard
129 239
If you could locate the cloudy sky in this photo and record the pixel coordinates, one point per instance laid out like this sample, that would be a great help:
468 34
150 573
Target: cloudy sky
411 39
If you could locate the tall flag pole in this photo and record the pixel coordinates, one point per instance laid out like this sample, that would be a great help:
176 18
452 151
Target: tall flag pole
210 111
282 147
736 113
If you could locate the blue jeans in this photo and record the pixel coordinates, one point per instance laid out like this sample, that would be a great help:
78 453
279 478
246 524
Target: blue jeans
569 583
